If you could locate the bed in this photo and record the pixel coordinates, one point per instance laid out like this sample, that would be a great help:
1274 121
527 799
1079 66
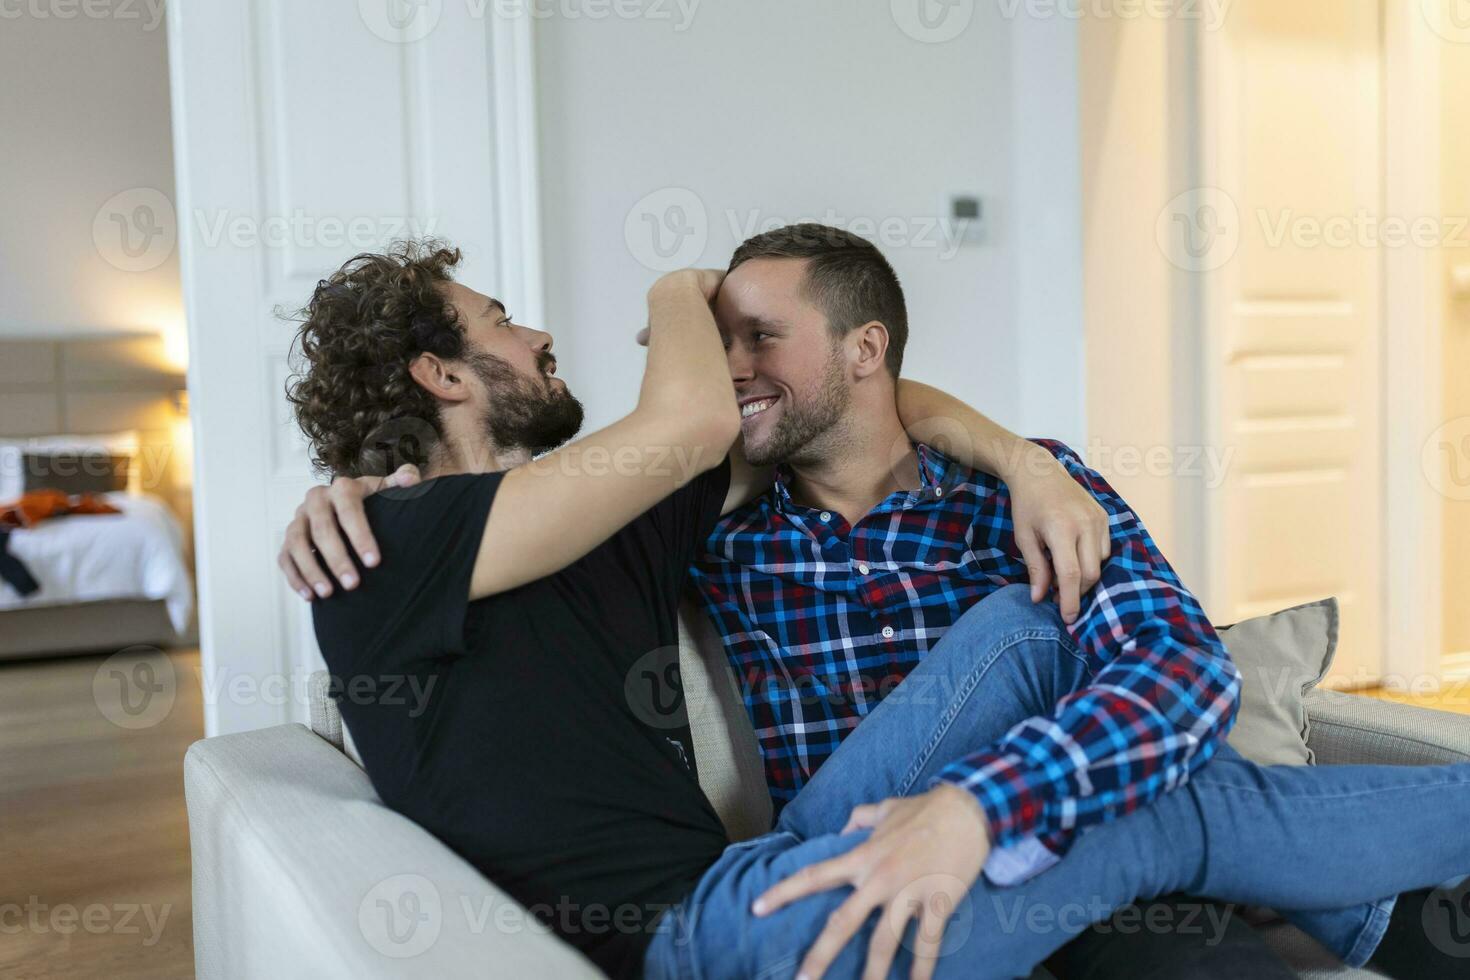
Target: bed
107 581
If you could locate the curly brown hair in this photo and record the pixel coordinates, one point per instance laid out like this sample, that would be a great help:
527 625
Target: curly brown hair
352 393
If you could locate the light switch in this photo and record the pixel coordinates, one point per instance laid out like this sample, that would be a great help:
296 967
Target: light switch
964 217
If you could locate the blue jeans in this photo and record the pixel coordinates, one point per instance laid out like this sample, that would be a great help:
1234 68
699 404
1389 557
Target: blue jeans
1328 847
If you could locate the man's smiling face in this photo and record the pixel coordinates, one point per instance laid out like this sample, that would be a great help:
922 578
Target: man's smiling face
788 367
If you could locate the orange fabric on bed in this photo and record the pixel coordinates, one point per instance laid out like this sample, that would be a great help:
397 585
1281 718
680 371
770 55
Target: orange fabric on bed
35 506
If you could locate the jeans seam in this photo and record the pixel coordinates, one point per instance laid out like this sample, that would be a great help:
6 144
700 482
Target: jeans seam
781 967
972 679
684 951
1371 934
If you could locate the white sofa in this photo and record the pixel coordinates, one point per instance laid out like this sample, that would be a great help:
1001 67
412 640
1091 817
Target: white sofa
300 871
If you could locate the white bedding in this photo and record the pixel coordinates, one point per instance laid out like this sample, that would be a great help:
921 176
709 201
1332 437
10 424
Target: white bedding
137 554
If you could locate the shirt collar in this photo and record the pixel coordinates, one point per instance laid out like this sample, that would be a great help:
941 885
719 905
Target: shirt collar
934 472
934 467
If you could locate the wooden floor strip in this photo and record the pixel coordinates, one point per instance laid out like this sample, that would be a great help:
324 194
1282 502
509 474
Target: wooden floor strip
94 840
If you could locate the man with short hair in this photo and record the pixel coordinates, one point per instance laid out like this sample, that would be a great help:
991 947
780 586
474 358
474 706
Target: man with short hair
846 576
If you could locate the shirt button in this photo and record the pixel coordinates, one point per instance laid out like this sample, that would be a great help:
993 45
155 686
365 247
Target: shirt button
938 491
826 516
862 569
887 632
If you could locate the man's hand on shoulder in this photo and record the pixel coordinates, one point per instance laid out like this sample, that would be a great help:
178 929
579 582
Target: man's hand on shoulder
1061 529
316 532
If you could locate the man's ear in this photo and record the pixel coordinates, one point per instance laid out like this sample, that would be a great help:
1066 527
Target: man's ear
872 348
437 377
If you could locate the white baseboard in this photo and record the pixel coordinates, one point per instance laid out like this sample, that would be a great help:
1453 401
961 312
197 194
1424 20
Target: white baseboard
1457 666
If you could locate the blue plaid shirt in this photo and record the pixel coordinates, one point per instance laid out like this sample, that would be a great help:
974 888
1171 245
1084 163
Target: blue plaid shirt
821 620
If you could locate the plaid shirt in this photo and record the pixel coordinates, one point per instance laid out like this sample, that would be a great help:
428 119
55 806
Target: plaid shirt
820 620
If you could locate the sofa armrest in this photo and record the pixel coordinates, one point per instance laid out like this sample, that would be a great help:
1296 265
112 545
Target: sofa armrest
1352 729
299 870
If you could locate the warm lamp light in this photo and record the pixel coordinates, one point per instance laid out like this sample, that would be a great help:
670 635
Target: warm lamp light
183 442
183 446
176 345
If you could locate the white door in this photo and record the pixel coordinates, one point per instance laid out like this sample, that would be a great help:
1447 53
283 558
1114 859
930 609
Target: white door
1291 158
305 133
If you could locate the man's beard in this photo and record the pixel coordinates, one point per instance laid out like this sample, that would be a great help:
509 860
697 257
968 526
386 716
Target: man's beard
523 414
800 426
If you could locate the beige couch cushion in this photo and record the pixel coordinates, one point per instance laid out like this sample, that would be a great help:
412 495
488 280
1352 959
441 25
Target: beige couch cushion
1281 657
725 749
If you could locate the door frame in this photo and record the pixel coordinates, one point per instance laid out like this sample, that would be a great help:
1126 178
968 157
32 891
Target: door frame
472 163
1413 319
518 165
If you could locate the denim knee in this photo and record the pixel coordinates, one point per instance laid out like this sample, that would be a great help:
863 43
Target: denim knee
1008 611
1023 646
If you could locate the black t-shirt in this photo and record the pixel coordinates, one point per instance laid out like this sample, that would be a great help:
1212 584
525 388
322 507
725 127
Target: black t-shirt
539 732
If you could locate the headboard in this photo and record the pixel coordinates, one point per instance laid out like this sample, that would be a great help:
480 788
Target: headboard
101 383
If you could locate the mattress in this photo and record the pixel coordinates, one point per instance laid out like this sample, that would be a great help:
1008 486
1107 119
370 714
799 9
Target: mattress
137 554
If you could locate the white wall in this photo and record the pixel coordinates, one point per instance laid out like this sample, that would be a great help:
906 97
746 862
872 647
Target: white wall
84 113
1128 160
1046 244
771 110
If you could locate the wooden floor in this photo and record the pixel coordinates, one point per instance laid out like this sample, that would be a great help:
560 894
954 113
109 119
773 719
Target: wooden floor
1451 696
94 844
